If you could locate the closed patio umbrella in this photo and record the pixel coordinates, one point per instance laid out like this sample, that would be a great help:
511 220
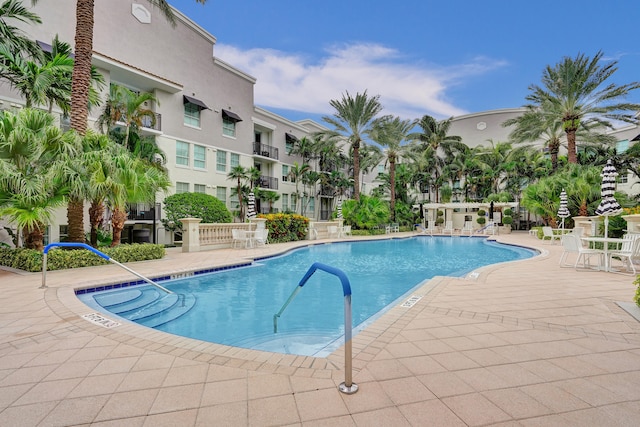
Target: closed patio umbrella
563 211
339 209
609 206
251 206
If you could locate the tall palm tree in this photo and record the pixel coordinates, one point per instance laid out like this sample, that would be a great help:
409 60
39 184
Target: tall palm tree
576 92
352 118
296 172
390 133
435 133
81 80
128 107
33 151
240 174
11 36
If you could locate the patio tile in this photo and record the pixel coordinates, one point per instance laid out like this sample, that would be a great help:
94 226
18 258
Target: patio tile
313 405
265 385
48 391
172 419
75 411
454 361
555 398
127 405
475 409
516 403
445 384
271 411
177 398
406 390
369 397
96 385
229 415
431 412
26 415
219 392
381 417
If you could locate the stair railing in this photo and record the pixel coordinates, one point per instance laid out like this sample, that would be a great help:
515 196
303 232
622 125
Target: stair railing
97 252
348 386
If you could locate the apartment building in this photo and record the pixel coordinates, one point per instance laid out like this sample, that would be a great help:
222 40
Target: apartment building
206 120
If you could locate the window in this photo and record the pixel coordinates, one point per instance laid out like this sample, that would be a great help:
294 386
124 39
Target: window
191 115
285 202
182 153
229 120
312 205
380 168
235 204
221 194
228 127
63 232
234 160
199 188
285 173
623 176
289 142
221 161
199 157
294 202
182 187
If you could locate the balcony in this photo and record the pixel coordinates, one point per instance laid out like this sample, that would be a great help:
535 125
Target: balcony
149 128
141 212
265 150
268 182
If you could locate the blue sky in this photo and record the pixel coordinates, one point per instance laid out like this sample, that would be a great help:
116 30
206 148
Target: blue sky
442 58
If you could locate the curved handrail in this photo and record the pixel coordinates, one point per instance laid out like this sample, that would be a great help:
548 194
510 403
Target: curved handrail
95 251
348 386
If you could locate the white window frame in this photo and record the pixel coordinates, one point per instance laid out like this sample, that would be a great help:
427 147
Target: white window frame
199 163
181 159
192 115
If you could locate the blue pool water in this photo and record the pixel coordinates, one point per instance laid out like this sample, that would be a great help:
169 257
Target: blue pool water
236 307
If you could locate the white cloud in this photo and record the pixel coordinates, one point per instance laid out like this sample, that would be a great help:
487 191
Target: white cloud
297 82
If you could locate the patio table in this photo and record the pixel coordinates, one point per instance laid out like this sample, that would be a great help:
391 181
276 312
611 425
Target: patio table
605 249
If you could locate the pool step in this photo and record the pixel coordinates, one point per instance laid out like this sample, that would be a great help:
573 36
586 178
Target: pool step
146 305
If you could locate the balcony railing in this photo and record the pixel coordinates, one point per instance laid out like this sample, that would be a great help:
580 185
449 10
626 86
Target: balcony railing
266 210
268 182
265 150
147 123
142 211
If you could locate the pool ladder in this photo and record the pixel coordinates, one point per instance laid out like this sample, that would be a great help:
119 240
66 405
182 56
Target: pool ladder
348 386
97 252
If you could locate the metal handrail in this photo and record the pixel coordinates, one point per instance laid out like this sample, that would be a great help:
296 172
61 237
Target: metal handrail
97 252
348 386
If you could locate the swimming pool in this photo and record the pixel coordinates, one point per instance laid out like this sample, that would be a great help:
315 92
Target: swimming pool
235 307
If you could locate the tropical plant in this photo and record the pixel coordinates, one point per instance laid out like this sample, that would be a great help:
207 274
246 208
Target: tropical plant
351 120
578 93
33 151
127 107
240 174
10 36
366 213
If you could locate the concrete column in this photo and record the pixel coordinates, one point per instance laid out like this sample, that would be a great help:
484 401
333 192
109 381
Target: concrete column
190 234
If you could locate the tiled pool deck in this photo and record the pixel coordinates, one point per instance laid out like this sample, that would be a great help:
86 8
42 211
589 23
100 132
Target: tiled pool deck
522 344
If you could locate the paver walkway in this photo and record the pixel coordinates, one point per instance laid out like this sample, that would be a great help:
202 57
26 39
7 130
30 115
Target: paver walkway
518 344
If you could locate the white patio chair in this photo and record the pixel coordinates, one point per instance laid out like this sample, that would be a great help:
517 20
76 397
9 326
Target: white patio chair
346 231
490 228
572 245
629 250
261 237
547 233
429 229
448 228
239 237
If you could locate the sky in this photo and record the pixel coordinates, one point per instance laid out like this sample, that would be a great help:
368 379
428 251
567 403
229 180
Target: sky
442 58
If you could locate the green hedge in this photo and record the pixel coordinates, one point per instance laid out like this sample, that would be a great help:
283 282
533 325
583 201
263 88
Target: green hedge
286 227
61 259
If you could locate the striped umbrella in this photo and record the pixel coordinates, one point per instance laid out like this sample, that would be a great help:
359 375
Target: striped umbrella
609 206
251 206
339 208
563 212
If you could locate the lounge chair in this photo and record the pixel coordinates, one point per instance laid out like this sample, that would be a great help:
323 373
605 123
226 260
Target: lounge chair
429 229
392 228
490 228
467 228
572 245
547 233
448 228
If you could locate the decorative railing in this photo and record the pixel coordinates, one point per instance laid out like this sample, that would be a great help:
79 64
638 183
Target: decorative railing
268 182
265 150
148 123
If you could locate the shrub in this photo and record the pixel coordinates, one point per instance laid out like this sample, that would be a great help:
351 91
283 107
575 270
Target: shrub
636 297
193 205
507 220
507 212
286 227
367 213
61 259
481 220
439 218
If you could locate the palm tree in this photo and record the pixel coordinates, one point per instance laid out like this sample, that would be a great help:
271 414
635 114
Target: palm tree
296 172
352 119
10 36
391 132
36 83
33 152
81 79
576 93
435 133
126 106
240 174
